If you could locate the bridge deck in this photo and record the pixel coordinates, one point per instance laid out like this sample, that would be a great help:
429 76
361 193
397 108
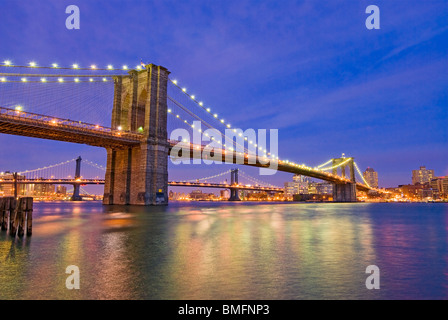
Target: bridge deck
45 127
170 183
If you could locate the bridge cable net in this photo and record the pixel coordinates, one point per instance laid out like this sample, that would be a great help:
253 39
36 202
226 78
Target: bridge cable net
65 93
207 179
224 178
337 165
187 108
257 182
65 170
185 111
361 175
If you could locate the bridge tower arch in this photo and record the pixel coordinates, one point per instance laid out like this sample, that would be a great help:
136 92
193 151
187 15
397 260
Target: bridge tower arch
344 192
139 175
77 186
234 195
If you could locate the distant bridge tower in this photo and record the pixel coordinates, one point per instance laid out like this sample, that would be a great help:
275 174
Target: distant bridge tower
77 186
234 195
139 175
344 192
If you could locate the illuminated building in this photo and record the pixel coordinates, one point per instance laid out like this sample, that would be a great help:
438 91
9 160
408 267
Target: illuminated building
440 184
61 190
371 177
422 176
8 189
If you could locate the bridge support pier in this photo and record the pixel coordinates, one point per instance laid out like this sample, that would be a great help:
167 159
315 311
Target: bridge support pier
77 186
234 195
344 192
139 175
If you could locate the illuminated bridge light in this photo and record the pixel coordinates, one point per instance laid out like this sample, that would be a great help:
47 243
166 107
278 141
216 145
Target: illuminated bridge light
110 67
3 79
61 80
93 66
32 64
75 66
7 62
192 97
76 80
91 79
54 65
184 89
104 79
125 67
175 82
43 80
24 80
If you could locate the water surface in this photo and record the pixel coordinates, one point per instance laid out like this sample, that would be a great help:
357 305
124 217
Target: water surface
227 250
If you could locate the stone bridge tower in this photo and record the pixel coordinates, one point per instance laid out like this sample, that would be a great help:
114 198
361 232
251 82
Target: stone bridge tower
139 175
345 192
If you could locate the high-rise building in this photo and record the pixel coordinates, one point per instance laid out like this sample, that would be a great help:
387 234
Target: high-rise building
299 185
422 176
440 184
61 190
44 189
371 177
8 189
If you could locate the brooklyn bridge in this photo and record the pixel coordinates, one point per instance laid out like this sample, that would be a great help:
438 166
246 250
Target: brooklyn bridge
133 122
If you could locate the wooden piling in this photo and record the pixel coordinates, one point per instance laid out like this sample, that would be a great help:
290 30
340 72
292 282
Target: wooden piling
29 216
3 216
12 217
17 214
21 212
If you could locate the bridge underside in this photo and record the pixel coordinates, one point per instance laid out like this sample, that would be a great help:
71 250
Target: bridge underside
15 125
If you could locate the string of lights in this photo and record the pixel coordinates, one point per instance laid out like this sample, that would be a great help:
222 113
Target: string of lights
202 121
336 166
45 80
93 164
215 115
211 177
324 164
361 175
47 167
255 179
74 66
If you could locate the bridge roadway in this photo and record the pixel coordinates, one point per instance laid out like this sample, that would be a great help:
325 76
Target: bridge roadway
170 183
45 127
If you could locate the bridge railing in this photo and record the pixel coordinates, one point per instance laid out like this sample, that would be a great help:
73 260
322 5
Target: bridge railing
59 122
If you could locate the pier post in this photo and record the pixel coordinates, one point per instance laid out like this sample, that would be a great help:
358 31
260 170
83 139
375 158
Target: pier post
139 175
77 186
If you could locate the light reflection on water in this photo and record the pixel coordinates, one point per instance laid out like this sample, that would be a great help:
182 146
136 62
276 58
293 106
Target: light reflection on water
229 251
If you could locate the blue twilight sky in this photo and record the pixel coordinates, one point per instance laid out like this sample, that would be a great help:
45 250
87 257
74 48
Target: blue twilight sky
308 68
